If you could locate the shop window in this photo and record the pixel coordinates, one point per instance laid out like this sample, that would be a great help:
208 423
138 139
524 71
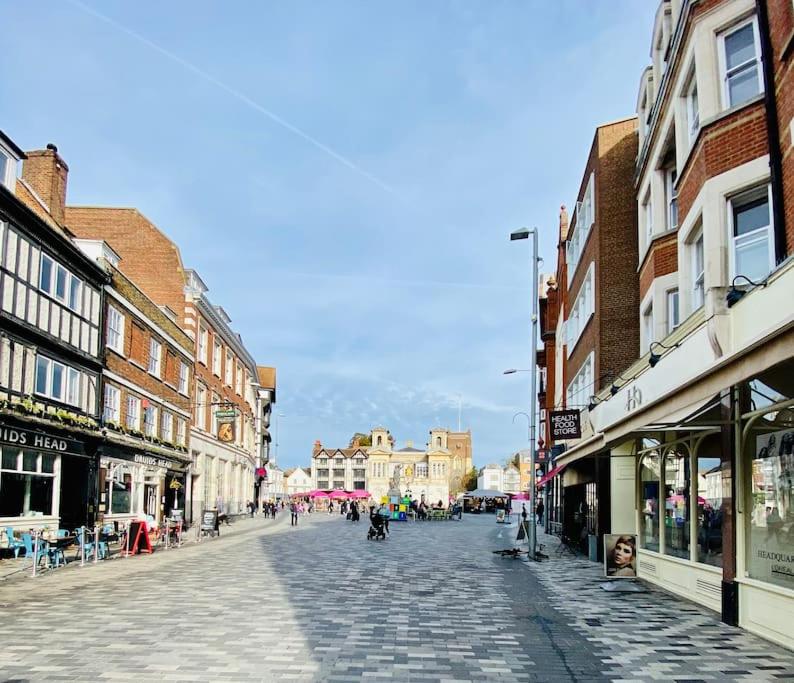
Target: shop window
118 492
649 501
27 481
769 451
709 504
676 504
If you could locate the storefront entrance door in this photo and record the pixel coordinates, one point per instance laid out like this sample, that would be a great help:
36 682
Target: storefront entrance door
78 480
150 500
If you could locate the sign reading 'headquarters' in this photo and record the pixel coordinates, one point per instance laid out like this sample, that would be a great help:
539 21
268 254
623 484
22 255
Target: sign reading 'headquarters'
565 424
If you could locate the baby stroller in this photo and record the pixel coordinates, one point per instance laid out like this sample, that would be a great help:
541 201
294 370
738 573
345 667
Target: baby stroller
377 528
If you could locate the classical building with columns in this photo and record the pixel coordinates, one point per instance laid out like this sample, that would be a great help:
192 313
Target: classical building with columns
432 473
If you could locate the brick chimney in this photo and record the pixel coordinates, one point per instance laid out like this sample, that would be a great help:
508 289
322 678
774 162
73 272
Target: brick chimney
45 171
317 447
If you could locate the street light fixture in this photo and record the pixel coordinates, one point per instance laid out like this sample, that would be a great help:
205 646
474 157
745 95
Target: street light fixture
523 234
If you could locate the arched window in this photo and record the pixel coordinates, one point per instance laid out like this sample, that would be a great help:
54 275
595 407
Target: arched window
649 502
438 441
380 440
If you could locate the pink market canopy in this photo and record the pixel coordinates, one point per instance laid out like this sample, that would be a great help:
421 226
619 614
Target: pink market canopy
360 494
339 495
521 496
317 494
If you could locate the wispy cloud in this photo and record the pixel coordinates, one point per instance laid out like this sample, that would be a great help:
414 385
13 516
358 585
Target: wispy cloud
234 92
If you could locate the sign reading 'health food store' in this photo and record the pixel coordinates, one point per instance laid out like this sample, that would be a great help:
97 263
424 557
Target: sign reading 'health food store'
565 424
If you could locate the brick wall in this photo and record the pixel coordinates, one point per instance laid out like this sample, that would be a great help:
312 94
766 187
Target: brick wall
212 382
781 21
616 282
148 257
46 173
660 259
725 144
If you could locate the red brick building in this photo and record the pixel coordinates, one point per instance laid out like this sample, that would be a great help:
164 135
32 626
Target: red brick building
146 401
699 429
223 448
588 322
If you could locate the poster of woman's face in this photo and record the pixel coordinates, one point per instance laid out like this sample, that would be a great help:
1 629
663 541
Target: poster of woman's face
620 555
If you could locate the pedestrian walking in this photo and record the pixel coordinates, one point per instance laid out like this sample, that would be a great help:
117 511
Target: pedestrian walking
330 507
250 507
539 511
293 508
523 512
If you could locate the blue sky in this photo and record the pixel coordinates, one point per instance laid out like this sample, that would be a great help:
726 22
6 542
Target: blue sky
343 175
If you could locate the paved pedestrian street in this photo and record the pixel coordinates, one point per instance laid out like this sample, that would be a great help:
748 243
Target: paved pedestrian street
321 603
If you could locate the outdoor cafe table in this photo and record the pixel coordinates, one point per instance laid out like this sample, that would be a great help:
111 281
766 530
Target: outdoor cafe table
59 544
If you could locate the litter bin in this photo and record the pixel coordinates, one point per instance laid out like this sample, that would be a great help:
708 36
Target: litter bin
592 547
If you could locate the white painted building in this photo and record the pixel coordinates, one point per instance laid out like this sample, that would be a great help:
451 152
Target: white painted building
491 477
297 480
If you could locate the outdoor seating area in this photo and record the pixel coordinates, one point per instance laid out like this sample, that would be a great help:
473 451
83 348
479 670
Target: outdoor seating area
44 549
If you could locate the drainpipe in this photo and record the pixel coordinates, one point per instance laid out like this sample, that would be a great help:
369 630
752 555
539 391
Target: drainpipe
773 131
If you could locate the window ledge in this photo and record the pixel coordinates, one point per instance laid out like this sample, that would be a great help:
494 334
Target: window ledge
120 354
132 361
768 587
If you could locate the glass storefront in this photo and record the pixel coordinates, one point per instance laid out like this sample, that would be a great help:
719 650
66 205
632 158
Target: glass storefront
649 502
27 482
710 488
768 449
676 502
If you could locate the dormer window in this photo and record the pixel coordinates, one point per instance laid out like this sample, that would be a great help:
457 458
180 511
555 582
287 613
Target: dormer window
10 155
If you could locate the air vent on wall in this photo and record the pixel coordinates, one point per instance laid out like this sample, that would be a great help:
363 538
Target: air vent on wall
707 588
647 566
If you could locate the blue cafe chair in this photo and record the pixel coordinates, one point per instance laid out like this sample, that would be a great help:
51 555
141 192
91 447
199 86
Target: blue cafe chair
43 550
13 543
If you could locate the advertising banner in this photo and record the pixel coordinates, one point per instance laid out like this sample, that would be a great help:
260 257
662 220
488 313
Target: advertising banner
620 556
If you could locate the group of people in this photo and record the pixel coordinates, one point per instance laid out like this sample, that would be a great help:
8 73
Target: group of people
269 508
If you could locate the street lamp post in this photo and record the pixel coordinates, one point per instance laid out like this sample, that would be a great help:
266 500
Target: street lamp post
523 234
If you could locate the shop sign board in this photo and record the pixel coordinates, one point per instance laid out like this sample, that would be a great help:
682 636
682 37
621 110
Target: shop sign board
151 461
565 424
15 436
620 556
229 414
209 521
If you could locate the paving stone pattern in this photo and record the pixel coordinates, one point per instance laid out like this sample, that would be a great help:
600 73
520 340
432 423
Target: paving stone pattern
654 635
321 603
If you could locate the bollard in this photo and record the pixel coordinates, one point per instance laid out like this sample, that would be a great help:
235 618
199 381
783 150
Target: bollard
167 533
35 551
82 546
96 544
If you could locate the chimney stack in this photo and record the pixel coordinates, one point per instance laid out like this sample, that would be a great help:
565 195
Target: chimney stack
317 447
45 171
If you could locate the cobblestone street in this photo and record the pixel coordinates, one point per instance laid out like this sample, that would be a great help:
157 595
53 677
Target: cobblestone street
320 602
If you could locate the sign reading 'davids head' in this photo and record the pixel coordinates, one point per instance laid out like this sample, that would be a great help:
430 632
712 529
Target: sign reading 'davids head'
27 438
565 424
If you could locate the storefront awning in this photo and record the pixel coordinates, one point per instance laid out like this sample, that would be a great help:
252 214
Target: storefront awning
553 472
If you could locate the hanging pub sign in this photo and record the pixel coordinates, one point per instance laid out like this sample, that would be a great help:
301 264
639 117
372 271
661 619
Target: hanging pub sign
565 424
227 420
